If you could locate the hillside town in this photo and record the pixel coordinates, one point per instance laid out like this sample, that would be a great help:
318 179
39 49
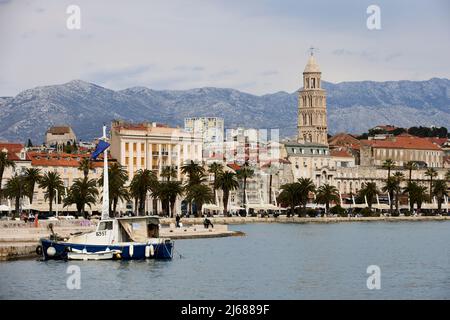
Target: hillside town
208 169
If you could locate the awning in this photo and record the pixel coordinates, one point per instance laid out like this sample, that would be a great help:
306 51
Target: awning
4 208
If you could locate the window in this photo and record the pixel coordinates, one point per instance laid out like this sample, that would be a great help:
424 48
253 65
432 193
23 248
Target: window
142 162
134 146
107 225
142 147
127 147
127 160
134 161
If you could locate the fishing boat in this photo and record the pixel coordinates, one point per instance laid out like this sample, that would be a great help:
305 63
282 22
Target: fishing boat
120 238
135 237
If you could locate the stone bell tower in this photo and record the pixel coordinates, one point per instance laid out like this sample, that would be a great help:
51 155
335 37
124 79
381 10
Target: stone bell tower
312 108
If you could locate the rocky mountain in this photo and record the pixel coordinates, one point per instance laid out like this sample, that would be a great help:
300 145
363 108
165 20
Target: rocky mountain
352 107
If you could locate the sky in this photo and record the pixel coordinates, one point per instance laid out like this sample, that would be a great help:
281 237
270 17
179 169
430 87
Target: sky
256 46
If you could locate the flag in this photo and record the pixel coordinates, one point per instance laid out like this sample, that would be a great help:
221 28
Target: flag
101 146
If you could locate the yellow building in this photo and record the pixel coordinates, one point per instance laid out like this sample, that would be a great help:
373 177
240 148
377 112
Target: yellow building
153 146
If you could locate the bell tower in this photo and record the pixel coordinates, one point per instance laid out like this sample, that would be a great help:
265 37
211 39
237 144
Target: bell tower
312 108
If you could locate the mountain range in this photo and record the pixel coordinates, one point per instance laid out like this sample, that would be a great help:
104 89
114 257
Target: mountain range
352 107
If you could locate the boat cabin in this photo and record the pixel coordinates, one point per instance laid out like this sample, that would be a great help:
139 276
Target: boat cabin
121 230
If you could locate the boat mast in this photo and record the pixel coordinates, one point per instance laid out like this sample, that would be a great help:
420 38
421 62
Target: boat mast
105 204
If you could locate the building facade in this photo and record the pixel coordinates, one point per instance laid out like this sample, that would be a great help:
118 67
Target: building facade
211 129
59 135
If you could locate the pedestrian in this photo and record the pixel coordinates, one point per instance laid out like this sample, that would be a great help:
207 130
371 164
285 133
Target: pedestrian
177 219
207 223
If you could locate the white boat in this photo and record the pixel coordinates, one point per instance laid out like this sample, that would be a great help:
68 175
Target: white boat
84 255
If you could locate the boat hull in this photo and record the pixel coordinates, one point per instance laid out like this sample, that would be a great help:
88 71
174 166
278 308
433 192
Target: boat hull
135 251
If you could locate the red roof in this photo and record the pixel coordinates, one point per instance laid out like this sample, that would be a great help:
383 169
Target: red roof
340 153
13 150
438 141
59 159
403 142
234 166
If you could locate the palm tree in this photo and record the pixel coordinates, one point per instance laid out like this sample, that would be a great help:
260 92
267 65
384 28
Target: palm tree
369 191
409 190
326 194
167 192
306 186
82 192
390 187
142 182
410 166
244 173
447 175
431 172
85 165
117 178
32 176
14 190
194 172
439 190
417 195
398 177
200 194
388 164
4 163
215 168
51 182
226 181
195 175
290 195
168 172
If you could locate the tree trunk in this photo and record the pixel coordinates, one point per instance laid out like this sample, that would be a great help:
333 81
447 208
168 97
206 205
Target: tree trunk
245 187
17 205
115 206
172 208
51 205
225 202
431 189
270 189
410 175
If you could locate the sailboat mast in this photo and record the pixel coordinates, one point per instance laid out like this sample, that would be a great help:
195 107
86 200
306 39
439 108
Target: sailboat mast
105 204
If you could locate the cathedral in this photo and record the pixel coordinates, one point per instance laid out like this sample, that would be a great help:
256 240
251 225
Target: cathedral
312 108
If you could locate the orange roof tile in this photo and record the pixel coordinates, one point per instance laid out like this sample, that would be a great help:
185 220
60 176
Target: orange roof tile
59 159
340 153
403 142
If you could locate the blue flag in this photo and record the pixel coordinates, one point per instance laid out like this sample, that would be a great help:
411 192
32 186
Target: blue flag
101 146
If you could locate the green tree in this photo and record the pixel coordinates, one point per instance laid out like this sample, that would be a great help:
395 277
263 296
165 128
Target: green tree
226 181
4 164
410 166
215 169
243 174
327 194
168 172
167 192
369 191
14 190
390 187
431 173
417 195
439 191
194 172
82 192
398 178
200 194
142 182
85 165
117 178
306 186
32 177
388 164
51 183
290 195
